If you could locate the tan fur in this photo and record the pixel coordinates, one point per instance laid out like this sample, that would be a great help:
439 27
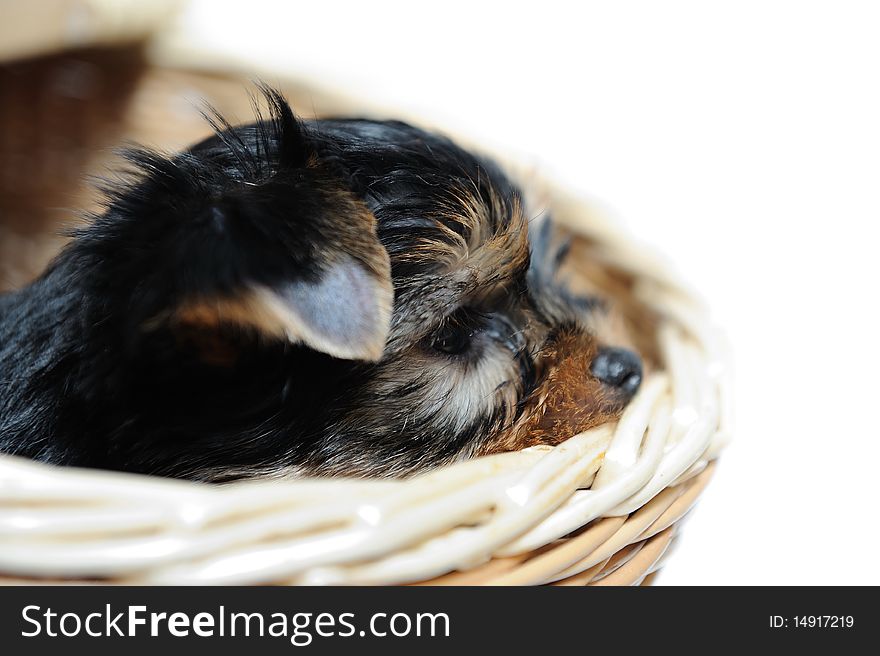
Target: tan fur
568 400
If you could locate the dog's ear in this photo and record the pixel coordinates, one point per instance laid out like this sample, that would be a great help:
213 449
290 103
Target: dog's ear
251 231
331 291
341 306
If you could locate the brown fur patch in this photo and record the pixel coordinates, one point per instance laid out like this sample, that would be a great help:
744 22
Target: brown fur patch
568 401
249 310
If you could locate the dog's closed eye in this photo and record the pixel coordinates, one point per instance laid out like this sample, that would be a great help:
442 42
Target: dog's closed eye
458 332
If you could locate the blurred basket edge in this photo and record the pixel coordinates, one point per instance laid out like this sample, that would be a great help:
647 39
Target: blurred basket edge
604 508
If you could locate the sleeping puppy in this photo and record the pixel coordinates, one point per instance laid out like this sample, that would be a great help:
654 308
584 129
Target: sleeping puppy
288 298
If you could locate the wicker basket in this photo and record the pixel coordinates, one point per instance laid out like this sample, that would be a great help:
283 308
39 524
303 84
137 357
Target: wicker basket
603 508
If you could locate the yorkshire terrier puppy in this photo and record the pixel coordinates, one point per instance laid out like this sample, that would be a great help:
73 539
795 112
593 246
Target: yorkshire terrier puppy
331 297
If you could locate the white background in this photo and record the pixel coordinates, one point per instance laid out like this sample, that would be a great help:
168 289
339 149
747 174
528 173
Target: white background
741 139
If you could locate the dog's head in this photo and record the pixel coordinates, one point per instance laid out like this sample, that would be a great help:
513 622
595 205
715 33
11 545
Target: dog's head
332 297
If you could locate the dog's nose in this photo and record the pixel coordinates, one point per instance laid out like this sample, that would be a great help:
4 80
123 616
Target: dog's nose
619 368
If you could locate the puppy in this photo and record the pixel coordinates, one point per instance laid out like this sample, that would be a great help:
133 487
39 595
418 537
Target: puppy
288 298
